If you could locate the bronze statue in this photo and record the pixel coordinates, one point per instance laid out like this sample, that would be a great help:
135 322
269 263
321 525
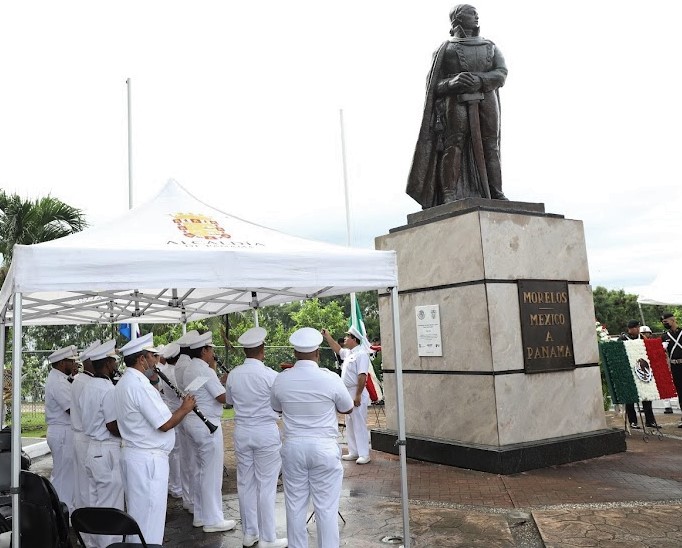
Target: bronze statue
458 150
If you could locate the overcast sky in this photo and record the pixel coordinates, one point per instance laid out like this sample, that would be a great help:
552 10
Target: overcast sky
239 102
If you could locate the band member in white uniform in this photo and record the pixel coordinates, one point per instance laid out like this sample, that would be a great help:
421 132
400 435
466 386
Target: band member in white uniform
257 441
81 496
308 398
146 426
57 417
354 371
208 473
102 463
170 355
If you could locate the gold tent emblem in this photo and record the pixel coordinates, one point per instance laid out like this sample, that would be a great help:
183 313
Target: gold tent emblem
196 225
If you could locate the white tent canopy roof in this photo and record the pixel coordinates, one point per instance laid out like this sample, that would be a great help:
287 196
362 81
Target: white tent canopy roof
176 259
665 289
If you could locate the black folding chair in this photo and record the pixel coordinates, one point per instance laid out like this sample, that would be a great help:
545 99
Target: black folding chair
44 518
108 521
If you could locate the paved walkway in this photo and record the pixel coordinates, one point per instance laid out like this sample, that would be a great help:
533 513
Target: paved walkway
631 499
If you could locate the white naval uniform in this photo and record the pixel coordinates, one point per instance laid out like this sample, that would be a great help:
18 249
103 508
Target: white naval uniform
208 472
60 435
104 450
308 397
171 399
81 496
257 445
356 362
140 412
188 455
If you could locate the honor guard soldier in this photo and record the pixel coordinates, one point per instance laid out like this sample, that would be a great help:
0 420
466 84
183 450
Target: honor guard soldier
308 398
257 441
146 426
672 340
57 417
208 447
80 440
354 371
632 334
102 462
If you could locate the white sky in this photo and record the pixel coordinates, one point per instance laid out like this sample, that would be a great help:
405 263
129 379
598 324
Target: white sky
239 102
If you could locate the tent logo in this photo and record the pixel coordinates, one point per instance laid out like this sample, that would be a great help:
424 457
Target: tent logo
197 225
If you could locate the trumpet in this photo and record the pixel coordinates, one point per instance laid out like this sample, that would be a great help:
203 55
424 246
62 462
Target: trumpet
212 427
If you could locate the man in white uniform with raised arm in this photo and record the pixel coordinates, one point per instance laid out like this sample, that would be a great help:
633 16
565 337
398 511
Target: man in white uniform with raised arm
308 398
208 477
81 497
146 426
102 462
57 417
257 442
354 371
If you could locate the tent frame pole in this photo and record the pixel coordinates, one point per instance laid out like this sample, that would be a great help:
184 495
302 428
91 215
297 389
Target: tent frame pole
2 372
401 441
16 418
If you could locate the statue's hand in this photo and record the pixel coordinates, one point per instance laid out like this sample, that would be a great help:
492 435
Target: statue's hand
464 82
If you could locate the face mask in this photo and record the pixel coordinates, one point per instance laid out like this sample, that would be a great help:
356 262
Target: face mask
666 325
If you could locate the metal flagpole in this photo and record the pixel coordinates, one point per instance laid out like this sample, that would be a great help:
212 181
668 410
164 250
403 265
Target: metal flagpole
347 199
133 325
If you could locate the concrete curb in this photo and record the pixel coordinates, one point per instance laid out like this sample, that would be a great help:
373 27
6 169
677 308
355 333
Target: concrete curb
35 447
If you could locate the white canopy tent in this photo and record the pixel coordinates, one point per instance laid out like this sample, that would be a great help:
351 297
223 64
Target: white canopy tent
177 259
666 288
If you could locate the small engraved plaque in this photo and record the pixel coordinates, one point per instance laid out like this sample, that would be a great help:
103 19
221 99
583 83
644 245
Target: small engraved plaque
428 330
545 326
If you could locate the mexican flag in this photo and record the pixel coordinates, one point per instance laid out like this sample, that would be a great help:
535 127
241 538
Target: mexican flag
372 385
637 370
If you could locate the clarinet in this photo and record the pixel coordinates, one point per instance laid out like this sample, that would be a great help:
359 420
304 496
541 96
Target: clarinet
212 427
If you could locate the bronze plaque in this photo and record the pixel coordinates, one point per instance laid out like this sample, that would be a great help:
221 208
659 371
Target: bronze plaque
545 326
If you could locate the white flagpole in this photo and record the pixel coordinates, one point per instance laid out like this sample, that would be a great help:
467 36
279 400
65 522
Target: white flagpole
133 325
346 194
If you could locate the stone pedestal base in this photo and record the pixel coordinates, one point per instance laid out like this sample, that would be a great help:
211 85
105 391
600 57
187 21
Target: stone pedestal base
468 258
509 459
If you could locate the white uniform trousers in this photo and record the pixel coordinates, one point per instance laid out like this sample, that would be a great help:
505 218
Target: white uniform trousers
356 428
60 442
81 493
259 462
311 467
188 463
145 483
103 467
208 472
174 477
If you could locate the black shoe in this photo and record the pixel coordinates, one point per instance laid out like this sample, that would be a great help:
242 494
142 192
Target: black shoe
635 425
679 425
651 425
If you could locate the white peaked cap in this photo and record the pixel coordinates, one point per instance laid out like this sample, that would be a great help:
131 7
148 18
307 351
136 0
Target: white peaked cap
105 350
252 338
171 350
146 342
202 340
67 353
188 338
306 339
85 355
353 331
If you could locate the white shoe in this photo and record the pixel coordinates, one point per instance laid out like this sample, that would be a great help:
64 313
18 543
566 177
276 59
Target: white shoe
249 541
175 495
277 543
197 524
225 525
363 460
349 457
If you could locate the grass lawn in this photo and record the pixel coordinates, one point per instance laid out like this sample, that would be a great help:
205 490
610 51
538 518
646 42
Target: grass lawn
33 425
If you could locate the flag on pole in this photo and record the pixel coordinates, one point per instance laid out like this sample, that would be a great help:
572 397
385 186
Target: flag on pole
373 386
125 329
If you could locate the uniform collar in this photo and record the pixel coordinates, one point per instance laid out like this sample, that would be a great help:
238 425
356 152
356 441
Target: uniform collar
252 361
305 363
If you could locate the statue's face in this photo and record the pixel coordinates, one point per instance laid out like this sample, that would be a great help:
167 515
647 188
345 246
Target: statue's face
468 18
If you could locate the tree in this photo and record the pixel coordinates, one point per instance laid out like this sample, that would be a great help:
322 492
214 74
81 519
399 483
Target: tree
25 221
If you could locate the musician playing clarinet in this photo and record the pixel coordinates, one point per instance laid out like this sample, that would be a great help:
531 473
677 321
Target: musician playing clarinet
146 427
208 473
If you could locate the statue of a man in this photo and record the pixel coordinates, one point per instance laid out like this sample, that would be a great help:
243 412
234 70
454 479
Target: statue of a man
458 150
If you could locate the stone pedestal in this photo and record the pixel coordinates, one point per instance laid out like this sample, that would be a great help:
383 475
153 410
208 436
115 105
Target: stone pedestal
477 406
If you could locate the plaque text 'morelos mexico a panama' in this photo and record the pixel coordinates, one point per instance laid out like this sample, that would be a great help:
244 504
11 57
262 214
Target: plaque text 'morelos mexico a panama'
545 326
